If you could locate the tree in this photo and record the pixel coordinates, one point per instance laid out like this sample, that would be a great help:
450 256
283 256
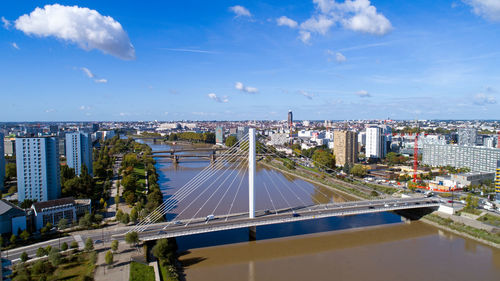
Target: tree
25 235
109 257
27 203
125 219
114 245
132 238
119 215
358 170
24 257
13 239
64 246
133 215
323 159
74 245
55 257
63 223
231 140
89 245
86 221
41 252
162 249
93 257
10 171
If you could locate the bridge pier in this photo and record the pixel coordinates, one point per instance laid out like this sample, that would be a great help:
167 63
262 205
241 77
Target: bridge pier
212 158
252 233
175 159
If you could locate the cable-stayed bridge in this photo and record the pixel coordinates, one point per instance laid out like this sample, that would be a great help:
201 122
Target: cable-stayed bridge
212 200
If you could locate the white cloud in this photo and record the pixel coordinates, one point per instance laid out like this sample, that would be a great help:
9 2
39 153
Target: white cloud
239 86
84 107
489 9
214 97
355 15
101 80
240 11
88 72
319 24
306 94
50 110
483 99
5 22
91 75
14 45
82 26
363 94
339 57
304 36
286 21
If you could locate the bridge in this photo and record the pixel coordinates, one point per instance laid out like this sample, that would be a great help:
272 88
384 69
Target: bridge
266 217
210 186
181 150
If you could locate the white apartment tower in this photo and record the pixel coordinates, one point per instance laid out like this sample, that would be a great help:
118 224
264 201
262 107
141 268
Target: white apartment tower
375 143
79 151
38 171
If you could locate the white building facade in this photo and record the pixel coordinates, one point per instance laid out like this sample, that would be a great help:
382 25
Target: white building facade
79 151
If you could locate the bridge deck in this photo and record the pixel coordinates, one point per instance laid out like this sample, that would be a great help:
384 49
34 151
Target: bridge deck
219 223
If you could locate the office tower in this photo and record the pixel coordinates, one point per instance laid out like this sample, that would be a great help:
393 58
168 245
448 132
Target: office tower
476 158
219 135
38 172
290 118
242 131
79 151
375 143
467 136
345 147
2 161
497 182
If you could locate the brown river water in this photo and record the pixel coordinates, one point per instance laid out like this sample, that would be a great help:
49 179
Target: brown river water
365 247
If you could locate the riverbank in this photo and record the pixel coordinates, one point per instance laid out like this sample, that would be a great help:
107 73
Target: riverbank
336 188
479 235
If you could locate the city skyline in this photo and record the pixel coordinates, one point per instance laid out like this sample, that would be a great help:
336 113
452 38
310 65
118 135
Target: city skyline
249 61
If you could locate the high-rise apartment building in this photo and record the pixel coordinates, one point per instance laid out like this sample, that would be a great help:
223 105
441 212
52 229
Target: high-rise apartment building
497 182
38 171
476 158
290 119
219 135
79 151
2 161
345 147
467 136
375 143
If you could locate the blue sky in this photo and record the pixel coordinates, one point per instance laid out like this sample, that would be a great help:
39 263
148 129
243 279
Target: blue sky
239 60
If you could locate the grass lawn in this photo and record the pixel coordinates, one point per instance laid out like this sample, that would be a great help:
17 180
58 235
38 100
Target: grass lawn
76 267
140 173
141 272
471 211
490 219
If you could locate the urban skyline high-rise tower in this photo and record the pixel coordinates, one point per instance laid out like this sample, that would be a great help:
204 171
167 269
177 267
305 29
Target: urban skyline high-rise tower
38 171
79 151
290 118
345 147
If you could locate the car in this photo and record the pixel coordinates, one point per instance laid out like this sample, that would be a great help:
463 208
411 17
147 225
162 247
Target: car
386 205
161 232
98 242
267 212
295 215
209 218
371 207
450 201
178 223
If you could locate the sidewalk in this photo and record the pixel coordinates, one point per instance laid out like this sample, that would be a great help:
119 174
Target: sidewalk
120 270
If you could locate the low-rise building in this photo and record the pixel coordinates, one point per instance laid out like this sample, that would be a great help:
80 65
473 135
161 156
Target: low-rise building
12 218
54 210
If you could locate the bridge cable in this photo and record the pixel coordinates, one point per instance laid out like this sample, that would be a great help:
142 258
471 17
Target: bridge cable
270 199
187 188
236 194
279 191
160 211
229 187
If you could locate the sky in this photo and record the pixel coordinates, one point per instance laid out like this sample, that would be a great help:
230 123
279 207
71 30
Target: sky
249 60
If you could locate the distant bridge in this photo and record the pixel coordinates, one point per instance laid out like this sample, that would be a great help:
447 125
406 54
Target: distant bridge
181 150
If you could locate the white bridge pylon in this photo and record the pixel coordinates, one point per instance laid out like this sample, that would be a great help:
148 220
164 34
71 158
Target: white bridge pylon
251 173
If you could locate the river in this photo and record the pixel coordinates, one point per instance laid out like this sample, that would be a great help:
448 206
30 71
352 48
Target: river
365 247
